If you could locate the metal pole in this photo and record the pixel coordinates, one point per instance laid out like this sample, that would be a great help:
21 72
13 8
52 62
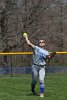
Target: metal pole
11 65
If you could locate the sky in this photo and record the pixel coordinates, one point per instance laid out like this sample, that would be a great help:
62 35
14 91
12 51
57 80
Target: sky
65 1
20 1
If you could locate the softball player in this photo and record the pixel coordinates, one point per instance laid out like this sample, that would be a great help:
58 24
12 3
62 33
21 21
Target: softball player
39 64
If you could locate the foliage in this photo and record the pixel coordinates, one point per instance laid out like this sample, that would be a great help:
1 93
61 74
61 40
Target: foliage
40 18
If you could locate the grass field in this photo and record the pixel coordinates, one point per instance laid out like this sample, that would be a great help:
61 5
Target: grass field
18 88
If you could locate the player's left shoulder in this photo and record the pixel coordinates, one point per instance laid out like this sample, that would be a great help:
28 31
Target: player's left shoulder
46 52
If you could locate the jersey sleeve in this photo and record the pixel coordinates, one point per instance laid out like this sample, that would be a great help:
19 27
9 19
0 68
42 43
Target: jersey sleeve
35 47
47 53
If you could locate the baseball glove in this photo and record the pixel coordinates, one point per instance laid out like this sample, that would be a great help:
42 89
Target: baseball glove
49 57
52 55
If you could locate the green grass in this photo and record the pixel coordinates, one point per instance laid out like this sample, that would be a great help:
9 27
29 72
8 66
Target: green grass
18 88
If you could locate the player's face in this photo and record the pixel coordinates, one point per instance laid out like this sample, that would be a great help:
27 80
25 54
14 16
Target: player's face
41 43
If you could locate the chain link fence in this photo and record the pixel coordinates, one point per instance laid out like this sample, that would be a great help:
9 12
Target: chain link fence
21 64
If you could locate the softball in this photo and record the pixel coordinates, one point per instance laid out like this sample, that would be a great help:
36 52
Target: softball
25 34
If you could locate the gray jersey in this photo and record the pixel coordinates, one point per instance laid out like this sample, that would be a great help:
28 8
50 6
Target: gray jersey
39 55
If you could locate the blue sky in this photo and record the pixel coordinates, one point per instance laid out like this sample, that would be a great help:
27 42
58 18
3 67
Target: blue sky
65 1
20 1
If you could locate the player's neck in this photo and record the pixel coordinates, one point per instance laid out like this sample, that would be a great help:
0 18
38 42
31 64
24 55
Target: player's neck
42 47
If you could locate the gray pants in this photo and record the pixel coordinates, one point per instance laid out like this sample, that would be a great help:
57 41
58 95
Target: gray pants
38 72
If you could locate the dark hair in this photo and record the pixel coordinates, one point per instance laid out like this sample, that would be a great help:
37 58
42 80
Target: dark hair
42 38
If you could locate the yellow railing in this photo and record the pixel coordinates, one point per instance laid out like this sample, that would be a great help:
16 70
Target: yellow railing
15 53
24 53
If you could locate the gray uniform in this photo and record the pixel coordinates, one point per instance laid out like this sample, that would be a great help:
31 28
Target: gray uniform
38 67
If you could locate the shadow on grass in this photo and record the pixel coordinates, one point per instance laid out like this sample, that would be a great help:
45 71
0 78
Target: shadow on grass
46 94
30 94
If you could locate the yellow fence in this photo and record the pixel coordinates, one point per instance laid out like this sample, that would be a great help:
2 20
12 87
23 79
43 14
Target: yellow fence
13 62
18 53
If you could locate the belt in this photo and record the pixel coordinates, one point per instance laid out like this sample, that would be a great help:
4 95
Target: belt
39 65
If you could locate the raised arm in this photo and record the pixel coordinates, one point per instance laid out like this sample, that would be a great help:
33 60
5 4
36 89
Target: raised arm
28 41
